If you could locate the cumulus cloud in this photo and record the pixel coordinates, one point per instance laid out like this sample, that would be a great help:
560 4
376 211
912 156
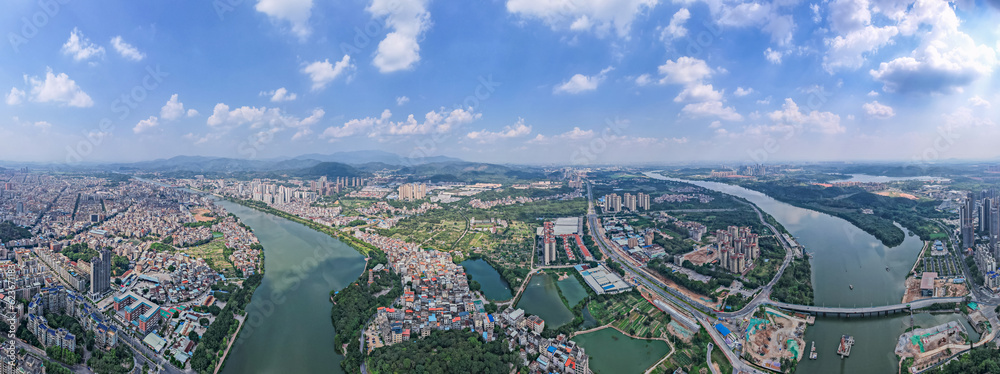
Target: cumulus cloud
80 48
946 59
816 121
676 28
280 95
409 19
740 91
698 93
878 110
599 16
773 56
58 89
975 101
766 16
685 70
519 129
434 122
402 100
711 109
323 72
146 125
295 12
174 109
126 50
580 83
15 97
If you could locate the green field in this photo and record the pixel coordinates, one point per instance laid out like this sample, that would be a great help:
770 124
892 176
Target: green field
214 255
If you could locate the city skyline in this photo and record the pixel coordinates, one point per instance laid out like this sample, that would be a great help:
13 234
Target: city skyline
567 82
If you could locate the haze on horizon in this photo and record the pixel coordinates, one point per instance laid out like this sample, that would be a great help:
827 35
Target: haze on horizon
504 81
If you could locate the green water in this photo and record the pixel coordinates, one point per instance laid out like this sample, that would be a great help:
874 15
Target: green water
288 327
494 287
612 352
572 290
541 298
844 255
875 342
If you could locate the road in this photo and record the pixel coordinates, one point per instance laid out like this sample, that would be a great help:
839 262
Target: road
708 358
702 313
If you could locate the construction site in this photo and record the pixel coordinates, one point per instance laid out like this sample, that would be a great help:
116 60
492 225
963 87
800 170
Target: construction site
941 288
774 336
701 256
928 346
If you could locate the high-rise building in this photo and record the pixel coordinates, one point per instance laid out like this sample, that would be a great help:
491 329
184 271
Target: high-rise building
643 201
737 248
412 191
548 243
629 202
612 203
100 273
966 221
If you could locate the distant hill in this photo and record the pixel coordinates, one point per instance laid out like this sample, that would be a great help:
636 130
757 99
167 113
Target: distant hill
365 157
471 171
329 170
213 165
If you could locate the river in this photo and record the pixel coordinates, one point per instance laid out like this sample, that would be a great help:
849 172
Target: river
288 327
844 255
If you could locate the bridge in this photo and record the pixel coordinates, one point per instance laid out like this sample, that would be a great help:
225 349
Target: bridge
874 311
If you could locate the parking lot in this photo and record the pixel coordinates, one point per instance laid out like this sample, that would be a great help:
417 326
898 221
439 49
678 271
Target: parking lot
945 266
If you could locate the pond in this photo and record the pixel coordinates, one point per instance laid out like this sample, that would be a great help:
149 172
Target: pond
611 351
493 286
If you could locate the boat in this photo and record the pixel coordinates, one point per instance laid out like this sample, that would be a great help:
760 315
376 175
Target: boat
886 268
852 286
846 343
812 352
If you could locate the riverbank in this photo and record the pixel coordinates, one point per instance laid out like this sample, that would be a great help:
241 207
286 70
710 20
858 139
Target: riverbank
361 247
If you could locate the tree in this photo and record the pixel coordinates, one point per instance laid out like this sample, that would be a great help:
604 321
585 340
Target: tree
194 336
203 321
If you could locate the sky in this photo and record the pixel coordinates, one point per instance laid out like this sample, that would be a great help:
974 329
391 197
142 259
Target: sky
504 81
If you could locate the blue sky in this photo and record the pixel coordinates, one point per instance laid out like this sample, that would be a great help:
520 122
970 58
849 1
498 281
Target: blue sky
523 81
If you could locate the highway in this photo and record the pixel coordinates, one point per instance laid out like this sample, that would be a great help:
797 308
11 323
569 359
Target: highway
654 285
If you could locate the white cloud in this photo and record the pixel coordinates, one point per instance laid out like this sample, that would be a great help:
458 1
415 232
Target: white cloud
773 56
766 16
519 129
945 61
715 125
877 110
173 109
357 126
192 113
44 126
580 83
323 72
80 47
58 89
643 80
409 19
765 101
698 93
685 70
849 15
146 124
979 101
822 122
599 16
435 122
848 51
711 109
295 12
740 91
576 134
676 28
872 94
126 50
15 97
402 100
280 95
